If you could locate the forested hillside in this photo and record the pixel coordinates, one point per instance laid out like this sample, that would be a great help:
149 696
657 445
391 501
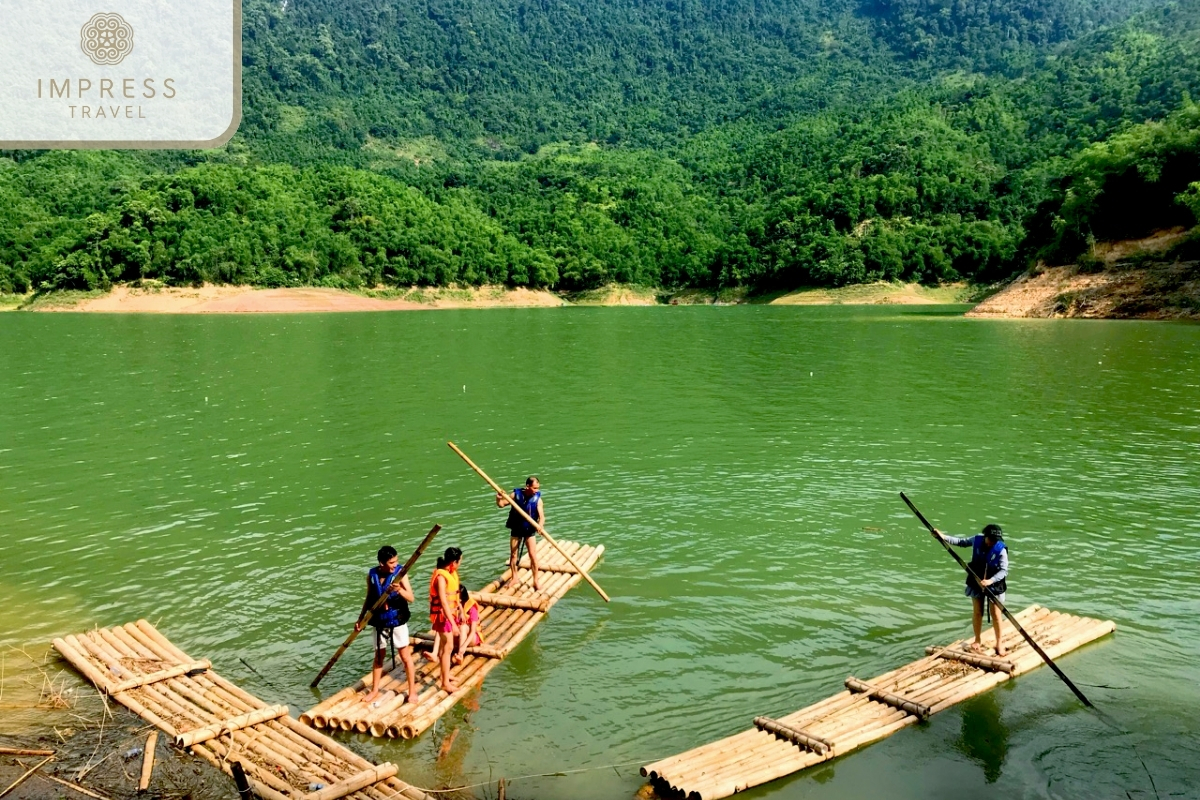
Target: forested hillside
675 143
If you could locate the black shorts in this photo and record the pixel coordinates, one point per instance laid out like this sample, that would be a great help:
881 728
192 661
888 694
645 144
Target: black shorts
521 534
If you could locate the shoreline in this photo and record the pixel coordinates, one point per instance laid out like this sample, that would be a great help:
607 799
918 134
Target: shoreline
222 299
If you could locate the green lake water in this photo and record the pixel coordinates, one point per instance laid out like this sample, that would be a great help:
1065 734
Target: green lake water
231 477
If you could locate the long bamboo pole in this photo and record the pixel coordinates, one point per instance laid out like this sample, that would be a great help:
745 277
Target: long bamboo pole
28 772
530 520
148 761
383 597
1003 609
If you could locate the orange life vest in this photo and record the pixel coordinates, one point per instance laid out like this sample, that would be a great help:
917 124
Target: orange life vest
437 614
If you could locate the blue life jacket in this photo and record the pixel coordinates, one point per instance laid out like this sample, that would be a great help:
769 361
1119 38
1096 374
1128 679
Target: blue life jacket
985 563
529 504
394 612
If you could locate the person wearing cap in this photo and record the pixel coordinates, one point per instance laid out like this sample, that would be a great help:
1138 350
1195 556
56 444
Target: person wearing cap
989 562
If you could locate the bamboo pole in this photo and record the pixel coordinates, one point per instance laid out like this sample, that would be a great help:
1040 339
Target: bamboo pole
794 735
161 675
762 745
18 751
28 772
366 618
537 525
70 649
855 685
198 735
974 659
148 761
355 783
505 601
74 787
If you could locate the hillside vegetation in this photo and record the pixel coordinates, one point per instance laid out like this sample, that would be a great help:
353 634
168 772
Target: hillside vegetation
673 143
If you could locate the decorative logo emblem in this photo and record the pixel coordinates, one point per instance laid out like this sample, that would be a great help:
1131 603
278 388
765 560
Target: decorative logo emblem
106 39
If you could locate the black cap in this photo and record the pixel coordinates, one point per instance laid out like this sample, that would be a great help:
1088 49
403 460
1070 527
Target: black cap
993 530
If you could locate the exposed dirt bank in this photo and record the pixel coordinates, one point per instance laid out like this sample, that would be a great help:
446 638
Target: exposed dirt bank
1140 279
211 299
881 293
616 294
244 299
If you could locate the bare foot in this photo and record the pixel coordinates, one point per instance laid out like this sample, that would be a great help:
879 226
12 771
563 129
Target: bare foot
412 698
428 656
976 647
1001 651
449 688
456 659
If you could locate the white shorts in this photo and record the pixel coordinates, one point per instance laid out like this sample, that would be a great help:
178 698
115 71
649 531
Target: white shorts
399 638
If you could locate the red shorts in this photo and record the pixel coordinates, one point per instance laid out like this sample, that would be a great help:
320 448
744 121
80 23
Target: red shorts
442 624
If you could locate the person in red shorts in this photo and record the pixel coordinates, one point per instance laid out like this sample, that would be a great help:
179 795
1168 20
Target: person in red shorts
443 613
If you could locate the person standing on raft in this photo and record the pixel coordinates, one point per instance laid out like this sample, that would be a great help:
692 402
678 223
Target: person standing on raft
989 562
443 613
529 498
390 621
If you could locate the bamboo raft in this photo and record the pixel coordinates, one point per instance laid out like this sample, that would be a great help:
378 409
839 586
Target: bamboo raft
283 760
867 711
507 613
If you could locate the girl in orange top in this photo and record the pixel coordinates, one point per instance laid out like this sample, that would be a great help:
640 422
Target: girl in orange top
468 621
443 612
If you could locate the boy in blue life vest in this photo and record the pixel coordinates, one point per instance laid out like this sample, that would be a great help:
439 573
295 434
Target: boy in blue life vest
390 621
989 561
529 498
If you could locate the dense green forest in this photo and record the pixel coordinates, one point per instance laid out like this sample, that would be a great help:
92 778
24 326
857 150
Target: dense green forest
673 143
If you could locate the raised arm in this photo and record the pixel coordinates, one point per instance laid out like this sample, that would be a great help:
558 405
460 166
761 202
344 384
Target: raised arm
957 541
501 500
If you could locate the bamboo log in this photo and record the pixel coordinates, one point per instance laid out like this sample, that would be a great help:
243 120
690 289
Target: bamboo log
74 787
148 761
161 675
669 767
28 772
718 779
78 659
229 725
353 784
762 745
505 601
530 520
525 563
793 735
19 751
855 685
166 643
